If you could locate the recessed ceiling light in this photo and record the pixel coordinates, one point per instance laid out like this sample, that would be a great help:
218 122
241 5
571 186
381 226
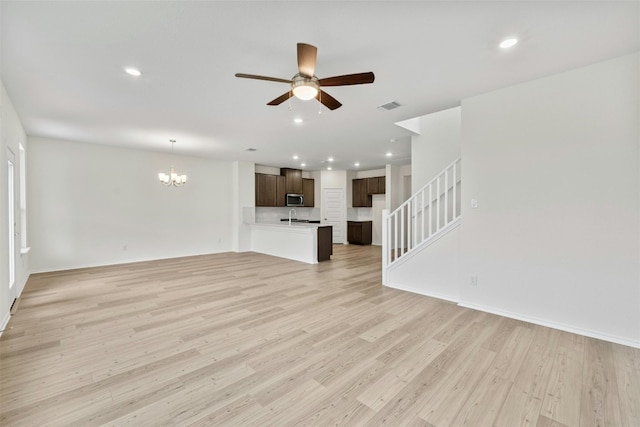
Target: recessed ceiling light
329 168
330 159
133 71
295 157
507 43
389 154
297 120
303 164
356 164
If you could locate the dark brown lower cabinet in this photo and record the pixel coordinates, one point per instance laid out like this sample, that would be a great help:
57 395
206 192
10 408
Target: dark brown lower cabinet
359 232
325 243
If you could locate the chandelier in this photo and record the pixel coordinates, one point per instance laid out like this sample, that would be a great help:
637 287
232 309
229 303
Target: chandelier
172 179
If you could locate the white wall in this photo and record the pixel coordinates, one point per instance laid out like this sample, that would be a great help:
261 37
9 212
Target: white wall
432 271
11 136
437 146
554 164
97 205
396 178
244 200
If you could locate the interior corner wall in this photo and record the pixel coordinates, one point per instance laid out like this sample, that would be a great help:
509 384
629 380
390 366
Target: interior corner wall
92 205
437 146
554 164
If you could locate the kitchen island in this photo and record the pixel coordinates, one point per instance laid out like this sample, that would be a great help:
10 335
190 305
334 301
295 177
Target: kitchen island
300 241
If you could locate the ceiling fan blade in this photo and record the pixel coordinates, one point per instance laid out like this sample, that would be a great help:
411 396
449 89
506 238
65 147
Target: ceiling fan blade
348 79
269 79
279 100
327 100
307 55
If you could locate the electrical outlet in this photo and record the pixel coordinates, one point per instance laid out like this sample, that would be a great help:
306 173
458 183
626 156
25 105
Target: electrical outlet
473 280
474 203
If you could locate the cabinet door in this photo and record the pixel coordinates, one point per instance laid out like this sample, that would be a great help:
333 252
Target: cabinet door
294 180
382 183
265 189
308 191
281 191
354 233
359 193
372 186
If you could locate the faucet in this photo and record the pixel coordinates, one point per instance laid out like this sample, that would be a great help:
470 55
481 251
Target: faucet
294 211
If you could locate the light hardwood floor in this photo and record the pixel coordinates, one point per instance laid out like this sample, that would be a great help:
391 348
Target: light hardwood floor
253 340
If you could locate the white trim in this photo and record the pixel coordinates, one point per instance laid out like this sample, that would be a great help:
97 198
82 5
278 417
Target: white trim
5 322
422 292
25 250
553 325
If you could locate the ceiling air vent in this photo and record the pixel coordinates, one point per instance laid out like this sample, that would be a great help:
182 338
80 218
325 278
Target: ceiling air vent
389 106
250 149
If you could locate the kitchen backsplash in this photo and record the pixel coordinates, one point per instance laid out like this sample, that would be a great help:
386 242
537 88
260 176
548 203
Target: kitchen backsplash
264 214
276 214
359 214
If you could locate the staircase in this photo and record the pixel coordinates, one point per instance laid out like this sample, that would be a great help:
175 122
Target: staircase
430 213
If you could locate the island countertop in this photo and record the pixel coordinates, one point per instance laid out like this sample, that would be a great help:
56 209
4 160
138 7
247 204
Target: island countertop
309 225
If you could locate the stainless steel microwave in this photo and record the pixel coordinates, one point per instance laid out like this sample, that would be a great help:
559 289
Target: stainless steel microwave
295 200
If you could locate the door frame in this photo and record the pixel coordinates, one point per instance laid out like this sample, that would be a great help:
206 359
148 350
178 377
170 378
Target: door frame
13 250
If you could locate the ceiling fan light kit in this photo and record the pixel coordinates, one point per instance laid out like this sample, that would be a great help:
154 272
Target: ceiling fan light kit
304 88
305 85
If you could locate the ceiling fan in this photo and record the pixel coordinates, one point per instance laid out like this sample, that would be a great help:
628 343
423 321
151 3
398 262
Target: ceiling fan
305 85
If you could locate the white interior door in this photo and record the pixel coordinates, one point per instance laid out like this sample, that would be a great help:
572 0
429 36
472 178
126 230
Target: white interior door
11 219
334 212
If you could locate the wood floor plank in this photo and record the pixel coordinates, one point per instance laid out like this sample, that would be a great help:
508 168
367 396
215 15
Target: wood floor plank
564 390
627 368
445 405
250 339
599 404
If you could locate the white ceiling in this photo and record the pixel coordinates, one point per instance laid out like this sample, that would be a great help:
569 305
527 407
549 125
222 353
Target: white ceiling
62 64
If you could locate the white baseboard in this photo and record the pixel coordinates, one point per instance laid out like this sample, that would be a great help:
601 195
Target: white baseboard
422 292
553 325
516 316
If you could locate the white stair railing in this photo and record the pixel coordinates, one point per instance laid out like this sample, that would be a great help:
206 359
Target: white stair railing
430 210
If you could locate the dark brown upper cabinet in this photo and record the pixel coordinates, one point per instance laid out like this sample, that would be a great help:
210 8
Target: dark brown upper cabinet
363 188
308 191
293 179
270 190
360 198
